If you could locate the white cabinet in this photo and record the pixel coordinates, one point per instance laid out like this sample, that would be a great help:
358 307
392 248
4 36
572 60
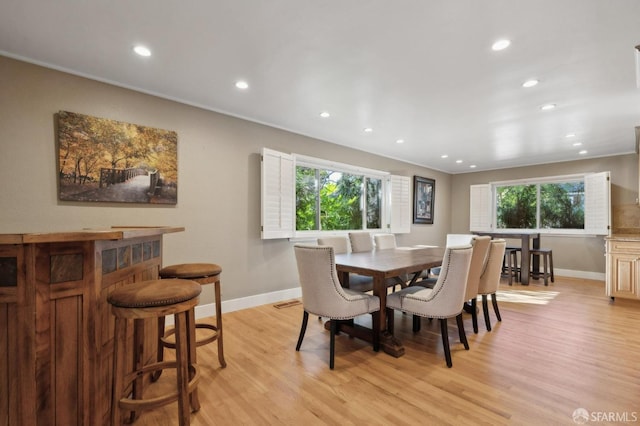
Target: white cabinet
623 266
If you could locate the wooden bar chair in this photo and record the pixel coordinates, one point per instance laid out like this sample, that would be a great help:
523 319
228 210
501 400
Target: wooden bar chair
202 273
547 264
138 302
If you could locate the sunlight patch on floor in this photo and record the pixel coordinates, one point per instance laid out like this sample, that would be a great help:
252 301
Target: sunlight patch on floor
526 296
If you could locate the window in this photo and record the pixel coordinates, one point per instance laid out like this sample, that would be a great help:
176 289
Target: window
578 204
304 196
554 205
329 200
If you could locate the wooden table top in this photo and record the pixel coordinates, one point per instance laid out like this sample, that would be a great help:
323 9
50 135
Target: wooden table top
390 262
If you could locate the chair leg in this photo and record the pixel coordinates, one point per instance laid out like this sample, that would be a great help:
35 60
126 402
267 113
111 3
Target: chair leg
416 323
494 302
332 341
474 314
485 310
551 266
445 341
461 332
375 319
160 355
545 262
305 318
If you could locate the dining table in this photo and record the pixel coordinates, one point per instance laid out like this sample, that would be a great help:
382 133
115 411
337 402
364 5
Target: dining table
382 265
527 239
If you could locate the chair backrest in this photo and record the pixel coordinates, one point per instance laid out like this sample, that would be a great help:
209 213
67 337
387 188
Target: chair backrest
385 241
478 260
322 293
340 244
360 241
449 290
490 278
459 239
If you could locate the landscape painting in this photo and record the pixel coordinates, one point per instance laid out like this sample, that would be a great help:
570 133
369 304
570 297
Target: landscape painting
111 161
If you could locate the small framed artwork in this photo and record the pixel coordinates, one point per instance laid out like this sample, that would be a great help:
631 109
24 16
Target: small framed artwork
424 193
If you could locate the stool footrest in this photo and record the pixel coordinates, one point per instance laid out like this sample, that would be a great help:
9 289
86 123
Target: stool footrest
203 341
159 401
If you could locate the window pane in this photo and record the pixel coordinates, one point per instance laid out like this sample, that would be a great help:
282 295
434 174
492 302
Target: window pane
306 210
516 206
374 203
562 205
340 205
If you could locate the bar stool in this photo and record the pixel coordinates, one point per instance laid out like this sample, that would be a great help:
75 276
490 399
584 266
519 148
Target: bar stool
203 273
154 299
510 264
547 264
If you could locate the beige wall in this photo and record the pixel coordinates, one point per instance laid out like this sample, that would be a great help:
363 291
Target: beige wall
569 252
219 176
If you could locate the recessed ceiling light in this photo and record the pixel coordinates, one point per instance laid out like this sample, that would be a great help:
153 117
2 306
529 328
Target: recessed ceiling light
458 161
577 144
473 166
584 151
570 135
368 130
547 107
400 141
242 84
142 50
500 45
444 156
530 83
325 114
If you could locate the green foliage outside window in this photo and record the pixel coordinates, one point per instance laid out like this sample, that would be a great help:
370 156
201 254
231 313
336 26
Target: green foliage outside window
561 206
330 201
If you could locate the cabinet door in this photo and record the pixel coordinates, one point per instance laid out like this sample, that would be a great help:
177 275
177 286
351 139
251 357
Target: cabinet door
624 275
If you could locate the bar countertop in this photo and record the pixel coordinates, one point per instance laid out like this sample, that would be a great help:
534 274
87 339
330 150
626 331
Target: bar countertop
113 233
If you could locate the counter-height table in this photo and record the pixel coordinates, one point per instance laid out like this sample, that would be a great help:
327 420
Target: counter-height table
384 264
56 328
526 239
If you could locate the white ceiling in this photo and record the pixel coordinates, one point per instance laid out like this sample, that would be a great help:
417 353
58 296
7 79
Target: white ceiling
418 70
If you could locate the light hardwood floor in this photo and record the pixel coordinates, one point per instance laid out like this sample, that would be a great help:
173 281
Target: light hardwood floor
557 349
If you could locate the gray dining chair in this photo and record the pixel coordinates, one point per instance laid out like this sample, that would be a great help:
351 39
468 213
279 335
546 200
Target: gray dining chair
443 301
384 241
323 295
360 241
490 279
478 262
340 244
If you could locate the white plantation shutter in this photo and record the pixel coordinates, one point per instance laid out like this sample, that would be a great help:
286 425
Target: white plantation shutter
597 203
400 204
480 209
278 195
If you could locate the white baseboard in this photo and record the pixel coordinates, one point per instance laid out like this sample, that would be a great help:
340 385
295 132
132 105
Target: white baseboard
209 310
587 275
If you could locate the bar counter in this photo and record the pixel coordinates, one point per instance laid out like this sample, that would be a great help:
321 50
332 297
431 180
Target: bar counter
56 328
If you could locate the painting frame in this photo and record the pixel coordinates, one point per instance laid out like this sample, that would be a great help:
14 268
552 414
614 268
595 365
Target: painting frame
424 194
110 161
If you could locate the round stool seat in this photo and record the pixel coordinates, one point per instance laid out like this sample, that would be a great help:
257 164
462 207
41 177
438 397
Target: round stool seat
154 293
190 270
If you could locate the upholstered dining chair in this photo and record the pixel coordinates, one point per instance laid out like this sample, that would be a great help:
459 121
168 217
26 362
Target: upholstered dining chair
340 244
490 279
384 241
443 301
323 295
360 241
478 262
